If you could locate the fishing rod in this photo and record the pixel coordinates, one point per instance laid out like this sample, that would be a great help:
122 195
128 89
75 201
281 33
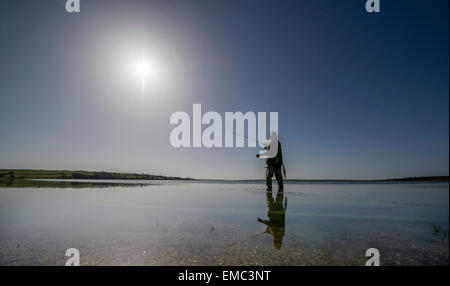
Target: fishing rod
252 139
244 136
234 132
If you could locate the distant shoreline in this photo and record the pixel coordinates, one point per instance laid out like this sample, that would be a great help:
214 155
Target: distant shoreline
393 180
27 178
80 174
405 179
30 178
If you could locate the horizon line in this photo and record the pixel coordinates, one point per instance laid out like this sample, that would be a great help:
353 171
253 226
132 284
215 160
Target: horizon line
426 177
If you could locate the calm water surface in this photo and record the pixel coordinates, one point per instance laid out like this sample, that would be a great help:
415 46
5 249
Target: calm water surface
222 223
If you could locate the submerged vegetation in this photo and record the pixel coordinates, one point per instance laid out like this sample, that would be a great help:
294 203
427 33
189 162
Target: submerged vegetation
440 232
22 178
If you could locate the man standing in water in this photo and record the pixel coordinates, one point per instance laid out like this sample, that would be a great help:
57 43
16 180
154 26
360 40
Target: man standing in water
274 161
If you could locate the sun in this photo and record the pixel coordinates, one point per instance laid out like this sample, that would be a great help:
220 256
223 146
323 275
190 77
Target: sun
144 72
147 72
142 69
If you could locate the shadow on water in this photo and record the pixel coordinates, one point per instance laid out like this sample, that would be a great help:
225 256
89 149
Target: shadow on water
276 214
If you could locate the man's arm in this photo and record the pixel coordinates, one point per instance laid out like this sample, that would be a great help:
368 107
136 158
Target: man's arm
271 150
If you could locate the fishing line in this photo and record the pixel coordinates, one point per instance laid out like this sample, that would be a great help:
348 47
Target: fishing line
233 132
246 137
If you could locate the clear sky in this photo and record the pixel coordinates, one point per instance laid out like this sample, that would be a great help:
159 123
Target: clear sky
358 95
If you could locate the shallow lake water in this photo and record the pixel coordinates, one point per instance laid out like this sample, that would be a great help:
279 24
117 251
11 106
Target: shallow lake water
227 223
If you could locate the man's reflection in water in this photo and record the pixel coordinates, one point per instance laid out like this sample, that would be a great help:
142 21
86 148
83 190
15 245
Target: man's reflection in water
277 215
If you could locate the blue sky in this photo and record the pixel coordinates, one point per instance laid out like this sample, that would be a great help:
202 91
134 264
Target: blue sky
358 95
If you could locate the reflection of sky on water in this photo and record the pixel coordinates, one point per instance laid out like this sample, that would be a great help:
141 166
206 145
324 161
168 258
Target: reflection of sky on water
217 223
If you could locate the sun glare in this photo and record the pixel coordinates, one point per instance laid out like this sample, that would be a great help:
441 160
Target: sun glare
143 69
148 73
